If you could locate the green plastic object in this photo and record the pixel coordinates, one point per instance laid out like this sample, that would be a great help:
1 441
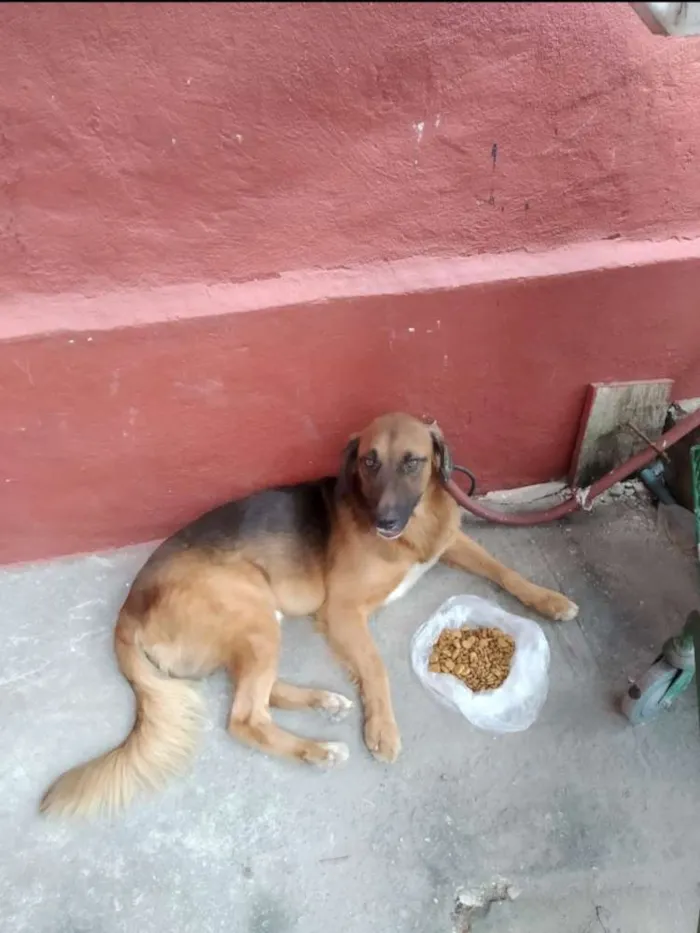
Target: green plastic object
673 670
695 467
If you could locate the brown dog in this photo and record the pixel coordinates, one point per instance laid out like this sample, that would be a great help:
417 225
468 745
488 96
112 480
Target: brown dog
212 596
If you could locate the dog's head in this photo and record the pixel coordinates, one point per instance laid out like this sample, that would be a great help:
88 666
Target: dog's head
390 465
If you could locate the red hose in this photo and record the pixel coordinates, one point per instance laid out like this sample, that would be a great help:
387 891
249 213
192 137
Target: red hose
579 498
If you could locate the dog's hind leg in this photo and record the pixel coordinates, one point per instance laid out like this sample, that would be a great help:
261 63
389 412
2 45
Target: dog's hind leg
289 696
253 667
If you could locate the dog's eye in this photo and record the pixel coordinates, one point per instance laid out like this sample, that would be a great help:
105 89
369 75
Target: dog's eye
412 464
371 462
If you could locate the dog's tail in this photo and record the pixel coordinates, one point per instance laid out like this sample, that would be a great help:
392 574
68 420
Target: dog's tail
159 745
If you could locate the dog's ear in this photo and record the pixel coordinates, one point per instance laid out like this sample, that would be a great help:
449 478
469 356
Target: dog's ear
347 467
442 458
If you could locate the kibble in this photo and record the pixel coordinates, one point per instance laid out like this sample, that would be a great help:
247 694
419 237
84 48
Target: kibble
479 657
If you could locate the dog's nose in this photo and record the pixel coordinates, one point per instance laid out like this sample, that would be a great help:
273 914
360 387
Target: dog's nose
388 524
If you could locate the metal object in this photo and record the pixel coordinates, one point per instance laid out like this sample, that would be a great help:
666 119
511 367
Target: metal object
667 678
579 498
647 440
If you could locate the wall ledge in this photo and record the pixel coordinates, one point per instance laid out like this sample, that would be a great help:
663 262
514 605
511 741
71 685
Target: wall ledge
25 315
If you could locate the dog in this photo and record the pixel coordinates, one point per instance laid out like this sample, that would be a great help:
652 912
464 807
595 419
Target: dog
212 596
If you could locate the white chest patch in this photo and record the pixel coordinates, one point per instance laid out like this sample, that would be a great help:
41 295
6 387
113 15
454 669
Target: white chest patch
410 580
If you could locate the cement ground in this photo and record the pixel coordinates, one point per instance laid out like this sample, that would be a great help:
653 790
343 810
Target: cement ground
594 821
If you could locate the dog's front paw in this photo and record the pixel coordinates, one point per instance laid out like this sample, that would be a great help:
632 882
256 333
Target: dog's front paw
555 606
382 738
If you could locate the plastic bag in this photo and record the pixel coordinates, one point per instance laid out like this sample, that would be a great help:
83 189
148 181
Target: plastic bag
516 704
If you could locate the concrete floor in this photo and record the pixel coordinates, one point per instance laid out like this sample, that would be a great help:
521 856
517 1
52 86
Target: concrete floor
594 821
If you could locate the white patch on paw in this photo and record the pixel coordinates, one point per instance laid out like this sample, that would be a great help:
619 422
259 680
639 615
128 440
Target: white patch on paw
568 614
337 754
336 705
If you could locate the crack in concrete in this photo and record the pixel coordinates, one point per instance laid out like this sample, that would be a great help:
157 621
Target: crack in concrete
599 911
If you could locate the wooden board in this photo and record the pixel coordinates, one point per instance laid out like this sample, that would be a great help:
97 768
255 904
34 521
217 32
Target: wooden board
604 440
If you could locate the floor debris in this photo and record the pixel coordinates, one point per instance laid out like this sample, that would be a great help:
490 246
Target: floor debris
475 903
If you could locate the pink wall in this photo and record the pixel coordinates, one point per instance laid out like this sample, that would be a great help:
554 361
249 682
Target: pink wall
157 143
156 159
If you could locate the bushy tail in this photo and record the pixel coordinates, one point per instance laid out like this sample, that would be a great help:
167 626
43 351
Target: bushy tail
159 745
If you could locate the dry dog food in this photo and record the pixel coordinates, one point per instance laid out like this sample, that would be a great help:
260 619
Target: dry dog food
480 657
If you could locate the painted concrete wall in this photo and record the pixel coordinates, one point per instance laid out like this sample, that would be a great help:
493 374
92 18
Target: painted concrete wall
175 179
161 143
